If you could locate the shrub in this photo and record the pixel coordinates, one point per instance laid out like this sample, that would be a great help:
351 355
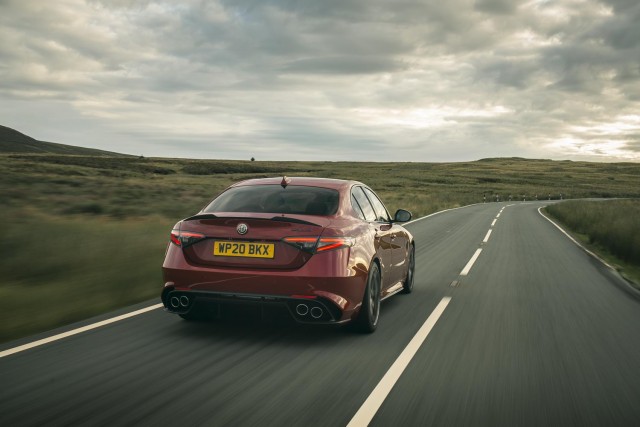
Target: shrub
614 225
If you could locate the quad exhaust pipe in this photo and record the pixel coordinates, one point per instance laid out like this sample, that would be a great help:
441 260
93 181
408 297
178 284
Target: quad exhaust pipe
303 310
177 302
316 312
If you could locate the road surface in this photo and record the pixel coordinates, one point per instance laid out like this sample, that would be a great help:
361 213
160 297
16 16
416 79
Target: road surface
537 332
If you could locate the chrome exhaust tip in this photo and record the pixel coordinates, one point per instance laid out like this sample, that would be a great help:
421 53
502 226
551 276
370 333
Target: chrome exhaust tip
302 309
174 302
316 312
184 300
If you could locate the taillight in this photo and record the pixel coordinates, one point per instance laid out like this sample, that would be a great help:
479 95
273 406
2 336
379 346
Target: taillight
175 237
330 243
185 238
307 244
319 244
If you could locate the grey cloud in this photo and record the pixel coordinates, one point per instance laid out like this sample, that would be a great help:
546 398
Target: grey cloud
622 30
499 77
343 65
621 6
516 73
501 7
634 144
122 4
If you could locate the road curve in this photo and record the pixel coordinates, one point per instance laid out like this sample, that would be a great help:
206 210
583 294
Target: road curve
536 333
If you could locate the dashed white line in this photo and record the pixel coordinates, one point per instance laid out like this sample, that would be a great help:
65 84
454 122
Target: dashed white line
438 213
472 261
76 331
377 397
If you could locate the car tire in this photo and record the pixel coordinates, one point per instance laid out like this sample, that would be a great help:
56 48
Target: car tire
367 320
407 285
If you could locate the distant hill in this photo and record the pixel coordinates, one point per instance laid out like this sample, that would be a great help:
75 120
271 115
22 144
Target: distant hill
12 141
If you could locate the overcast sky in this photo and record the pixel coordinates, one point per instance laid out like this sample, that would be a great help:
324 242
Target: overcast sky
440 80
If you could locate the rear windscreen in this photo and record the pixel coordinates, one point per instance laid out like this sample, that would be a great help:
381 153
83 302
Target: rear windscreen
296 199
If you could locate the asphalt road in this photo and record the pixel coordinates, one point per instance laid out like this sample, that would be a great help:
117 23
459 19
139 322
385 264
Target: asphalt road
537 333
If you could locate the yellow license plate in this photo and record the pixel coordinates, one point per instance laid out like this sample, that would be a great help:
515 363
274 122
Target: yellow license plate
244 249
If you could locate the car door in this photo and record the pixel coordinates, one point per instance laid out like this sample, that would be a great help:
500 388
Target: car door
400 252
398 240
382 235
386 235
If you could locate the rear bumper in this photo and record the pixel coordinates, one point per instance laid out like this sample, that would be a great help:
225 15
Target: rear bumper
304 310
331 281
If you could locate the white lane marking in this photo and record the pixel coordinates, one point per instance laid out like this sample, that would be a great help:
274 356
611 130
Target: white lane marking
497 216
574 240
370 406
472 261
76 331
439 212
486 238
494 222
612 268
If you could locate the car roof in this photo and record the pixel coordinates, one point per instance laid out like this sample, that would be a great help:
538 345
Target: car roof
336 184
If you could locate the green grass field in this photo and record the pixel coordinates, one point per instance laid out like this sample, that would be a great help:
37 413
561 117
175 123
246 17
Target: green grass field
86 234
59 270
610 228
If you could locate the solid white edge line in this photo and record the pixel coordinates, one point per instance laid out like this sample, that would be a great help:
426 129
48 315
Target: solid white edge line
574 240
439 212
76 331
472 261
605 263
486 238
377 397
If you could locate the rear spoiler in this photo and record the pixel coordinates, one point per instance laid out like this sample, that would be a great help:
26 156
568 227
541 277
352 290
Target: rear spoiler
201 216
295 220
275 218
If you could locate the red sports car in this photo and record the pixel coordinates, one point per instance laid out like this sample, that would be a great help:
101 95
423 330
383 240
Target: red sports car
326 250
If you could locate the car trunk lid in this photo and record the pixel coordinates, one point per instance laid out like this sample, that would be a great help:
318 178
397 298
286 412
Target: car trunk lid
251 240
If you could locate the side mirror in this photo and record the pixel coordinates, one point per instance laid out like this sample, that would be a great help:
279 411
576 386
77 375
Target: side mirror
402 216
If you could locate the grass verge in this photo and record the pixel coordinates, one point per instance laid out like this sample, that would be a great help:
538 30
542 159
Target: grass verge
56 271
609 228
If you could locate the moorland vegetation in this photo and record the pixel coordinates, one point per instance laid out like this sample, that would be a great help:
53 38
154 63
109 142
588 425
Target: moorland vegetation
86 233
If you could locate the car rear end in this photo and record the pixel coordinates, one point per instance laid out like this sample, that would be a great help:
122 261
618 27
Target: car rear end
262 243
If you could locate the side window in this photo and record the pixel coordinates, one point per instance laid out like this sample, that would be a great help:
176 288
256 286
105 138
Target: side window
356 207
363 202
381 212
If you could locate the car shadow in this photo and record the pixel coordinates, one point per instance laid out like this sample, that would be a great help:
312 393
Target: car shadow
247 326
251 325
